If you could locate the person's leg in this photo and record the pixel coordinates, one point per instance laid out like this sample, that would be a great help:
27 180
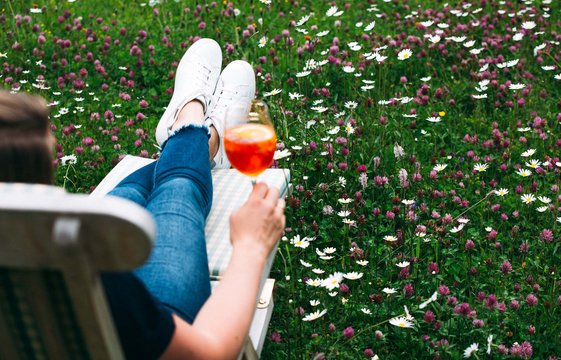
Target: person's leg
137 186
177 271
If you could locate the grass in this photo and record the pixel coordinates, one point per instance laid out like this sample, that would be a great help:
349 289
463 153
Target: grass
342 117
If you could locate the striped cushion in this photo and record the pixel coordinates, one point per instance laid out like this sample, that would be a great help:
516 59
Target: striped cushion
231 189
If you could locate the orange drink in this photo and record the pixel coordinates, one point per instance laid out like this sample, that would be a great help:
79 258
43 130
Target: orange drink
250 147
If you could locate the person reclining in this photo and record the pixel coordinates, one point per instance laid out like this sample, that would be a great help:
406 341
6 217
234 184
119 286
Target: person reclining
165 309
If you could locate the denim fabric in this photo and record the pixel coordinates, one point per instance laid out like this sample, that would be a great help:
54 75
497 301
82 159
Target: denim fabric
177 190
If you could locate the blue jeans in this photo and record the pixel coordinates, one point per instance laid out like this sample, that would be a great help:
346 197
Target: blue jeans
177 190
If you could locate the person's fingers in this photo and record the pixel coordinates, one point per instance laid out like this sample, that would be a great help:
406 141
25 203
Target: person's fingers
259 191
283 223
281 204
281 219
272 195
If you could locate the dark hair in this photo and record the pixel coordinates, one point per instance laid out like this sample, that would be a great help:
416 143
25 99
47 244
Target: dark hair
25 148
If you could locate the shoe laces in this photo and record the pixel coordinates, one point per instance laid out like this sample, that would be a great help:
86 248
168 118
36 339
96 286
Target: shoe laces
223 99
202 75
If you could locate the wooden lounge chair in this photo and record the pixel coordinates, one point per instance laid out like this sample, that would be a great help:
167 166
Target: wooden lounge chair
53 245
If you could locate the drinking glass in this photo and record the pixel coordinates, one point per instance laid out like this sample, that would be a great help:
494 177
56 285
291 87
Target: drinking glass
249 138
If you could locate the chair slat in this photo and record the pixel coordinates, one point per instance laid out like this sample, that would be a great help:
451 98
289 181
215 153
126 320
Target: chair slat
118 233
11 343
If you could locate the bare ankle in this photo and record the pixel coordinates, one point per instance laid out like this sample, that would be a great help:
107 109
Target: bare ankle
213 142
191 113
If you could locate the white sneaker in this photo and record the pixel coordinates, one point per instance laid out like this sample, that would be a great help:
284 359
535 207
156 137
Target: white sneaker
195 78
234 92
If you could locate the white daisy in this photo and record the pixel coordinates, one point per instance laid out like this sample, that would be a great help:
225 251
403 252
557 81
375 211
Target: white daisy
433 297
303 74
295 96
533 163
332 282
354 46
380 58
329 250
272 92
305 264
319 109
457 39
544 199
528 153
517 36
501 192
512 63
352 275
303 20
370 26
457 229
334 131
524 172
315 315
434 39
314 282
471 350
281 154
539 48
528 25
528 198
390 238
300 243
68 160
331 11
403 264
389 291
401 322
489 343
516 86
404 54
479 167
351 105
344 213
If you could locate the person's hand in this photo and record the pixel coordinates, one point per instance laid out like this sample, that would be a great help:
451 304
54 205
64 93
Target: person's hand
259 223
